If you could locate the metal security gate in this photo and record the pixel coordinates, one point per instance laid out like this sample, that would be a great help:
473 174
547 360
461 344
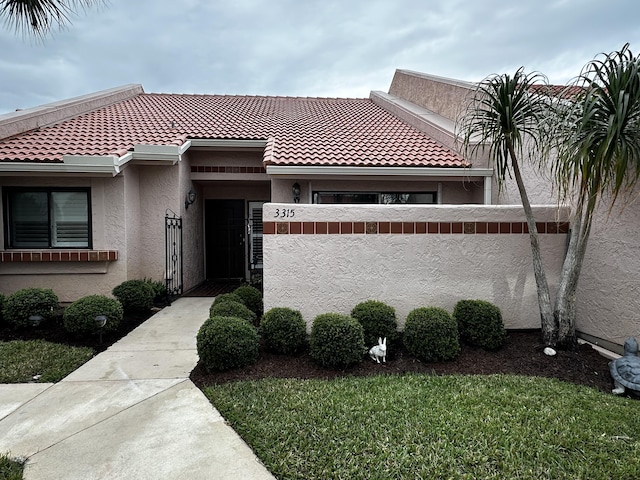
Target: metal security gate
173 253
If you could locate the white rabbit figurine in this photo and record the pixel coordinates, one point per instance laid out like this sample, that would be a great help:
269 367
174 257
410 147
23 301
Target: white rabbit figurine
379 351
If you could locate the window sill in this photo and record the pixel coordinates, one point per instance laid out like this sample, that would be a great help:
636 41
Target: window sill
48 256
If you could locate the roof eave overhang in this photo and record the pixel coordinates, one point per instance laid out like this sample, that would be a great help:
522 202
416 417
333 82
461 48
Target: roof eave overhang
417 173
99 165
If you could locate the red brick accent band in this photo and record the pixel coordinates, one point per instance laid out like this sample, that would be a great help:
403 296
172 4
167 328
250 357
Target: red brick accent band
410 228
225 169
59 256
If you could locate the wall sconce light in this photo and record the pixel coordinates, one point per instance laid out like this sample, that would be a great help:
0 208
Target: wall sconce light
191 197
296 192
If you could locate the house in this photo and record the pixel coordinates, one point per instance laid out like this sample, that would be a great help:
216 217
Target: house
335 200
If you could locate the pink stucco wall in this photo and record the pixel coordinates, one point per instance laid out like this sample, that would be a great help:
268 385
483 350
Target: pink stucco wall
323 272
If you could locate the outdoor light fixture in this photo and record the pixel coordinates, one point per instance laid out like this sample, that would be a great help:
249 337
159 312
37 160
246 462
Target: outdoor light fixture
296 192
101 321
191 197
35 320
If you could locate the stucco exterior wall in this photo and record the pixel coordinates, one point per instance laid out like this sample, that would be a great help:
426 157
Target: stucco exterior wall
443 96
608 300
72 280
324 272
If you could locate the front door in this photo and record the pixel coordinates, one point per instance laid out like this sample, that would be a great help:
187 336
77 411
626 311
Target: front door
225 236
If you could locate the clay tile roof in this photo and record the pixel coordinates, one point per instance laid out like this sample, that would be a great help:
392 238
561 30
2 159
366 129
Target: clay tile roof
302 131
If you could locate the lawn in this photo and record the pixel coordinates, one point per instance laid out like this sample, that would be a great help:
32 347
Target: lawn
22 360
427 426
10 469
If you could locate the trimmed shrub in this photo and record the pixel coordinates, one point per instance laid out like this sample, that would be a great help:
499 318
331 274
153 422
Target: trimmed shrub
378 320
251 297
431 334
480 324
228 297
20 305
337 340
232 309
227 342
160 293
134 295
283 330
79 317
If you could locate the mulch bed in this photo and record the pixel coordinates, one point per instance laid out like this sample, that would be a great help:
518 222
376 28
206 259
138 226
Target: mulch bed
522 354
53 331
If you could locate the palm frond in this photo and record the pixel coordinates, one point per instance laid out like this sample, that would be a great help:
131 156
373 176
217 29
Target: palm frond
599 132
505 111
39 16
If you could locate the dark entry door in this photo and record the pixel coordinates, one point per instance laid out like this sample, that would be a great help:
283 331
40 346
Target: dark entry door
225 236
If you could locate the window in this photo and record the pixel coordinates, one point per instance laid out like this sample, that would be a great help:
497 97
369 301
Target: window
47 218
369 197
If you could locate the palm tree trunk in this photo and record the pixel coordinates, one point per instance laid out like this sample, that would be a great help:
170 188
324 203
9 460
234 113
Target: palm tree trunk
549 326
564 311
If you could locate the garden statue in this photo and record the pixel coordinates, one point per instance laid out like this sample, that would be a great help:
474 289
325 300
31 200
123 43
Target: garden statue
626 369
379 351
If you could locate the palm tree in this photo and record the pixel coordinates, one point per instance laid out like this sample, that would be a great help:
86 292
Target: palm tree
39 16
597 138
503 116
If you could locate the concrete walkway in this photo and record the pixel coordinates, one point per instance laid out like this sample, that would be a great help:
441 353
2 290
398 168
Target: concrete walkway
129 413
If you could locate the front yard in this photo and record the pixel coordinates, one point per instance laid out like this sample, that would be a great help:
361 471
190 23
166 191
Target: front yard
427 426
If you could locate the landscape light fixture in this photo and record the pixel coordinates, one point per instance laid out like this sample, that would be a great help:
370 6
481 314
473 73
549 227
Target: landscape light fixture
101 321
35 320
191 197
296 192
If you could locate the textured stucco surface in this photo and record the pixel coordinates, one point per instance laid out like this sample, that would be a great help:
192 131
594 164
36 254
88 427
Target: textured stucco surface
323 273
71 281
608 297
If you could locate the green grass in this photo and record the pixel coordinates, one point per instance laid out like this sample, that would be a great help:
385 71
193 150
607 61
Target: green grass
424 427
21 360
10 469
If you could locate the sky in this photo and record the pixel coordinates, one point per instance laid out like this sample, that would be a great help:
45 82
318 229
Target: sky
323 48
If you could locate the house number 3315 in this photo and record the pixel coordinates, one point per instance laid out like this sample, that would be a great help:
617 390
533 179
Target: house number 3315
284 213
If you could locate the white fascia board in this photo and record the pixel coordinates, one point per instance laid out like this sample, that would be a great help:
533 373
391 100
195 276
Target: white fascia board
315 171
71 164
161 154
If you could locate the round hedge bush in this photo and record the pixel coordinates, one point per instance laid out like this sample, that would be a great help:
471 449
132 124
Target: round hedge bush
283 330
3 299
224 343
251 297
232 309
431 334
135 295
79 317
480 324
378 321
337 340
20 305
228 297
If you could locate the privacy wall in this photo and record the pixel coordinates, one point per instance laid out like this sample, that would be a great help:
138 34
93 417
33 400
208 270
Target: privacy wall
328 258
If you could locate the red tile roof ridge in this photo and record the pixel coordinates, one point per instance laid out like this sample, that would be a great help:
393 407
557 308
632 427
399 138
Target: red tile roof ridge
247 96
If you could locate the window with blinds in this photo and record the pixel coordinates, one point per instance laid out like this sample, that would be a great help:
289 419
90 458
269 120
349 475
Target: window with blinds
47 218
255 235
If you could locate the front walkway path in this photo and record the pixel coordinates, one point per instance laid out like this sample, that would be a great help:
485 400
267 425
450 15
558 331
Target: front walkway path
129 413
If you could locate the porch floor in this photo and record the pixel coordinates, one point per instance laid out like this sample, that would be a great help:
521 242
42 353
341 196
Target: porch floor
212 288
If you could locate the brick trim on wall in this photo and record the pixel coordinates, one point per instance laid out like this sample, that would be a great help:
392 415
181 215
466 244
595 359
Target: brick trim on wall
15 256
411 228
226 169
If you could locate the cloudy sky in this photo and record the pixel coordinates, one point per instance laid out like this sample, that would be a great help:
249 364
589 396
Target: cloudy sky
336 48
